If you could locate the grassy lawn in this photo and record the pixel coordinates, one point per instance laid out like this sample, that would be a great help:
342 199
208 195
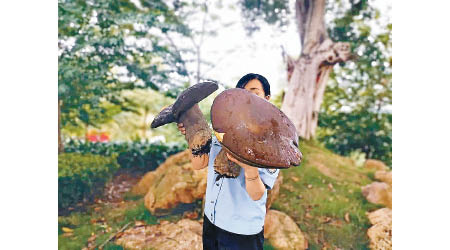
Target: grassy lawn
323 196
319 194
104 221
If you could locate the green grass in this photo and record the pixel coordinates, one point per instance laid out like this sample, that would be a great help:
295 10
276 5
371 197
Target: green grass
267 246
109 220
128 196
320 211
103 223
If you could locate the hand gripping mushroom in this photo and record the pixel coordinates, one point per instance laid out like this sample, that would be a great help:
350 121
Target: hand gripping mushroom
185 110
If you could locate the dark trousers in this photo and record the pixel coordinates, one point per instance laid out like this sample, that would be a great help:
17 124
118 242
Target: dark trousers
217 238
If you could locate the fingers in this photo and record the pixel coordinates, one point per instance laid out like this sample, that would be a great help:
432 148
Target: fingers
241 164
181 128
230 157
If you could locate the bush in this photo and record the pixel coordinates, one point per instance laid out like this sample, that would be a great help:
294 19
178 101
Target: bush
140 155
363 131
81 176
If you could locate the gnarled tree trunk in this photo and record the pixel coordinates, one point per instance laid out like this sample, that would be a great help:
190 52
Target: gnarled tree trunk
310 71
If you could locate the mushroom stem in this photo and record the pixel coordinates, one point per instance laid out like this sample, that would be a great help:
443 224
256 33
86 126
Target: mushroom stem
226 167
198 133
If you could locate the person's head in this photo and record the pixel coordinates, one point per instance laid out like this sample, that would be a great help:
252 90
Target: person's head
256 84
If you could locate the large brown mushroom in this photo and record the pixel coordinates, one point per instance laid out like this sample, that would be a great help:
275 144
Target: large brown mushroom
185 110
254 131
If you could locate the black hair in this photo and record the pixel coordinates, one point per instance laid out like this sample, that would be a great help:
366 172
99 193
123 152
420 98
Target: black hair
248 77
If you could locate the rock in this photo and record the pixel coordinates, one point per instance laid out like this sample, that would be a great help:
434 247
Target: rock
378 193
380 216
282 232
185 234
272 194
384 176
375 164
173 182
380 234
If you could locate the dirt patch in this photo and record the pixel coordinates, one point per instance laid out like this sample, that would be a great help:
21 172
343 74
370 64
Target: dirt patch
122 183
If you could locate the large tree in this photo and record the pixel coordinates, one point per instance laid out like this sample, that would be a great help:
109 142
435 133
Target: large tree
322 47
311 70
356 91
308 74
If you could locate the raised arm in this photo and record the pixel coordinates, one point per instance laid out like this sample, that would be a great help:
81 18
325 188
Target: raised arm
253 183
198 162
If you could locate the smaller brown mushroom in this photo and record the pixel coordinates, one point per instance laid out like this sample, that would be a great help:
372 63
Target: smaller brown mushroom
186 110
226 167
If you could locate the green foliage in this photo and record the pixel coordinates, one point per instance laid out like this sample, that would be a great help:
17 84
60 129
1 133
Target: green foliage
146 104
109 217
135 125
267 246
358 157
81 176
277 99
139 155
273 12
112 246
371 175
367 132
141 213
366 82
108 46
356 114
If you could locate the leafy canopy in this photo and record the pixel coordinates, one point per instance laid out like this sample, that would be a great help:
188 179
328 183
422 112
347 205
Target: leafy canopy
109 46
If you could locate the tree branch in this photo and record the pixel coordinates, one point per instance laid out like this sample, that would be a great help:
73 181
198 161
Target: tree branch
114 235
310 23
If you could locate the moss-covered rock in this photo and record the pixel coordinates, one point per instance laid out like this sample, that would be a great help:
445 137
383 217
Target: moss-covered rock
375 165
384 176
173 182
378 193
282 232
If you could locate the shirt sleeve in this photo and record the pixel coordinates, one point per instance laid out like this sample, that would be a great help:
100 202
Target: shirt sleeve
215 149
268 176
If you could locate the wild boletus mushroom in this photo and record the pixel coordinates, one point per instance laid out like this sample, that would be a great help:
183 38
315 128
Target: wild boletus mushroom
254 131
185 110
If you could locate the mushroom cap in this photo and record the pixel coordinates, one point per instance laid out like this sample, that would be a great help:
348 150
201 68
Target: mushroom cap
254 131
188 98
